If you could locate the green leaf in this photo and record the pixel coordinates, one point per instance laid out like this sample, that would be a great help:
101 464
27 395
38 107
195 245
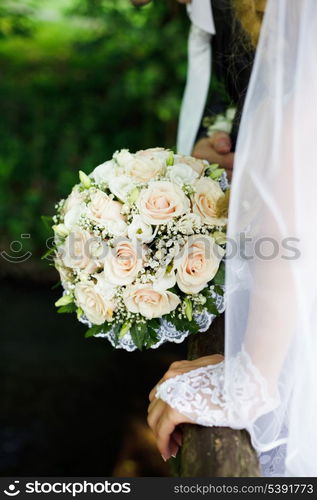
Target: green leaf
79 312
219 279
170 159
216 174
153 324
68 308
152 338
84 179
49 252
95 329
138 333
133 195
124 329
219 290
211 306
56 285
188 309
47 221
183 324
116 330
64 300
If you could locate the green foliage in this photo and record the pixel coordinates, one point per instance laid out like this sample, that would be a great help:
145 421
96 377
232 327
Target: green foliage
80 79
94 330
68 308
219 279
138 333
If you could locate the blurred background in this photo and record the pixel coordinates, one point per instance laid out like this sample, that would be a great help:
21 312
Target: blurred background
79 79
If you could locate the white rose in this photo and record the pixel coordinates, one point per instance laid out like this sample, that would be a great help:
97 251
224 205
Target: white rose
103 285
198 263
123 262
121 186
161 202
73 215
104 172
143 170
154 153
97 307
143 299
207 200
123 157
78 251
76 197
103 209
194 163
117 227
139 230
143 165
182 174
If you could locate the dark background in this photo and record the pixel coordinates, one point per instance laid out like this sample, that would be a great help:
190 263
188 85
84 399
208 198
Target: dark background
79 79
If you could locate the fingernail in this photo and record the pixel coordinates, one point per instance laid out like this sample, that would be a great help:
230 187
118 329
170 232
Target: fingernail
223 144
163 458
174 456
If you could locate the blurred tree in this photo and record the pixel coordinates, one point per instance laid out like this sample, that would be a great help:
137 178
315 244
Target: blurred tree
80 79
16 17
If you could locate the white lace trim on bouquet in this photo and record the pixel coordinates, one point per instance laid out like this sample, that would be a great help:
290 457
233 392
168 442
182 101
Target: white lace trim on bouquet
201 394
167 331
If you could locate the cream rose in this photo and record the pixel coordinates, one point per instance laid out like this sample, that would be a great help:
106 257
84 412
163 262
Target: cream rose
143 299
76 197
102 208
208 202
195 164
78 251
97 307
160 154
123 262
198 263
65 273
161 202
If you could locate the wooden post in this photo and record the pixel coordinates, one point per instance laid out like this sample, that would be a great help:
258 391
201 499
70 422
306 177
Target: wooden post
215 451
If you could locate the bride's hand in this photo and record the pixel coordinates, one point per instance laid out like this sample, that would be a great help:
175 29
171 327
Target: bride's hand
216 149
180 367
162 418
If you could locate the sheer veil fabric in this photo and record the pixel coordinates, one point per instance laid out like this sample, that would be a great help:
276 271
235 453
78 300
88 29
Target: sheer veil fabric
267 382
272 297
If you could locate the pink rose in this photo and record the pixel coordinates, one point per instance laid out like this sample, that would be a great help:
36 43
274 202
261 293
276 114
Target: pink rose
97 307
208 202
102 208
123 263
161 202
78 251
148 302
198 263
194 163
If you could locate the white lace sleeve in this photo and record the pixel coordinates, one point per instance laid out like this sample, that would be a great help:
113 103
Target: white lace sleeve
201 396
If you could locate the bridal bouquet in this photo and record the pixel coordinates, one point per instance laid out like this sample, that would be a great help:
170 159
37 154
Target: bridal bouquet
139 244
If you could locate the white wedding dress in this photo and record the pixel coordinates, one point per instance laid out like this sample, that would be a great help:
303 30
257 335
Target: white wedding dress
267 383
